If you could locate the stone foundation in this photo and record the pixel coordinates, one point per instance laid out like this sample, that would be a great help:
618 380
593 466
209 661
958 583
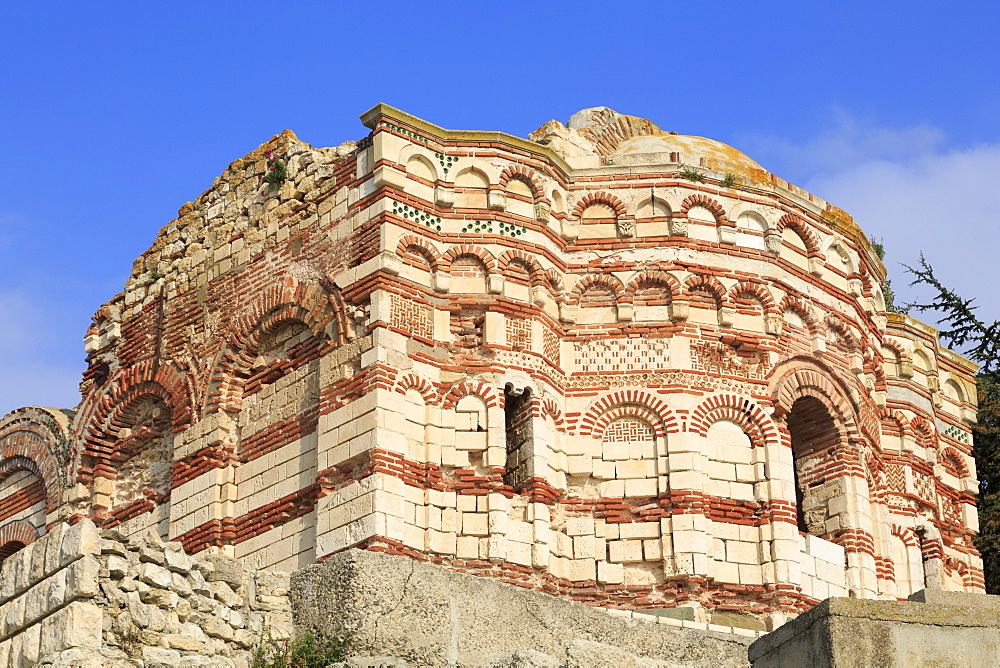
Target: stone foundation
428 615
82 597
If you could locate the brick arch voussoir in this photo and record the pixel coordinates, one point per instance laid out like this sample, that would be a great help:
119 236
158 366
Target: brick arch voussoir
165 382
18 531
706 202
537 276
711 283
525 175
803 310
955 564
599 198
10 463
455 252
425 249
653 277
481 390
897 348
625 397
949 452
549 407
757 291
740 410
590 280
421 385
906 534
893 415
923 429
554 282
637 411
797 378
316 311
35 435
792 221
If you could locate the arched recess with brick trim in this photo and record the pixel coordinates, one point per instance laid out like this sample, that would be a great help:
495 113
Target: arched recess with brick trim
818 422
22 492
131 460
38 440
907 562
16 535
592 424
289 301
417 252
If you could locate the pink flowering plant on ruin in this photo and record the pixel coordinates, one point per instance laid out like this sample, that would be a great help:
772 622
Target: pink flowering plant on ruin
275 173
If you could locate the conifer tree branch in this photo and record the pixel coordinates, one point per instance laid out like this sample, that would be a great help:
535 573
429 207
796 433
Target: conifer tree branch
964 329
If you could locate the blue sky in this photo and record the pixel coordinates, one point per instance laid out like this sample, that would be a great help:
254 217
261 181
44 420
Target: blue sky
113 114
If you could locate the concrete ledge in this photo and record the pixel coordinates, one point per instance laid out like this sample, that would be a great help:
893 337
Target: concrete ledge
960 630
428 615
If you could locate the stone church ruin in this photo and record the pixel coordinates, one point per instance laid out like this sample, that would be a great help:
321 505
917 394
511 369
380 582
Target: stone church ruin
611 363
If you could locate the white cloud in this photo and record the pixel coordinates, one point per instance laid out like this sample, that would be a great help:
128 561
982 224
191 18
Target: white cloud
917 193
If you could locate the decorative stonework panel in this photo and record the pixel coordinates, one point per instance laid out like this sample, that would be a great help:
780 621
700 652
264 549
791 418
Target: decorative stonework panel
718 357
621 355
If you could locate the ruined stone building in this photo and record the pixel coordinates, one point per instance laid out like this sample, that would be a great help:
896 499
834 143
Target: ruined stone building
609 362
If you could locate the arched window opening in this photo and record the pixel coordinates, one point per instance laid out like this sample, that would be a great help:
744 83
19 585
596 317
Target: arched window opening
9 548
519 430
813 432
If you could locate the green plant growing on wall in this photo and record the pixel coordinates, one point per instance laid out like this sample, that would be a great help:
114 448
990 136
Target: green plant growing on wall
275 174
887 292
692 175
306 651
729 181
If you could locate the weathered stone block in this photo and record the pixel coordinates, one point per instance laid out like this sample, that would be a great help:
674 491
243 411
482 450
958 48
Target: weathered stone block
76 625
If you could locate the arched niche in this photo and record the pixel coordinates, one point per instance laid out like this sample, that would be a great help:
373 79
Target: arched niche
794 249
422 168
520 198
471 189
702 224
599 220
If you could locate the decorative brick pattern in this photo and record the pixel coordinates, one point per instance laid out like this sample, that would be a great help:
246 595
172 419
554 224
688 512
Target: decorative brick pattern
621 355
519 333
411 317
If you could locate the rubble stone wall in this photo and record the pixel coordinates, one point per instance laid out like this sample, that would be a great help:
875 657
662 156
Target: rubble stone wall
79 594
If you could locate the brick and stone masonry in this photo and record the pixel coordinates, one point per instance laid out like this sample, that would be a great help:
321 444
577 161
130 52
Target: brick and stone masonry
608 362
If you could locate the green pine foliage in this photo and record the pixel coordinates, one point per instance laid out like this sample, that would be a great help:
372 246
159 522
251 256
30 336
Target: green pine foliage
980 341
